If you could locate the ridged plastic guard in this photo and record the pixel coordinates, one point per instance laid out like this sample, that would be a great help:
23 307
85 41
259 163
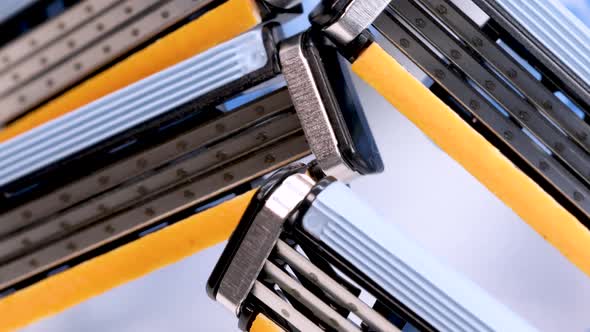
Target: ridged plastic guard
447 300
131 106
557 28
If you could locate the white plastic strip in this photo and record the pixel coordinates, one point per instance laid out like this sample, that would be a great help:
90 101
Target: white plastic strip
131 106
557 28
445 299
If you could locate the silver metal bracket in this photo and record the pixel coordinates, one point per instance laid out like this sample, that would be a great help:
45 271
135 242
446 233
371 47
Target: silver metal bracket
311 110
357 17
259 241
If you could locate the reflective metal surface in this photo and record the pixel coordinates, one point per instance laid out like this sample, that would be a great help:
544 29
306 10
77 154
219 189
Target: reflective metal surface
311 109
260 238
34 41
483 110
283 308
537 93
340 294
501 93
66 61
189 190
310 301
141 163
358 16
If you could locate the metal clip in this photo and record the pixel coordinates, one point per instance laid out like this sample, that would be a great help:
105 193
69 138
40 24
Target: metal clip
330 113
253 240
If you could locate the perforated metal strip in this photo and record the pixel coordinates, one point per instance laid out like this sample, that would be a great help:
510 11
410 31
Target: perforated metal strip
72 43
283 308
132 105
525 114
511 70
320 309
114 175
20 49
148 185
95 56
558 29
192 191
484 111
336 291
555 38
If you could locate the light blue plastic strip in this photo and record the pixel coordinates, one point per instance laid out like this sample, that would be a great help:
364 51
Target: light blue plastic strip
557 28
131 106
10 7
447 300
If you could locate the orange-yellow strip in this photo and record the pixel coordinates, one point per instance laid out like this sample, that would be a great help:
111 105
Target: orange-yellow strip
263 324
476 155
122 265
220 24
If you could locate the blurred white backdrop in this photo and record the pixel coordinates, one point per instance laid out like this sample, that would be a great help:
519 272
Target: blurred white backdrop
422 190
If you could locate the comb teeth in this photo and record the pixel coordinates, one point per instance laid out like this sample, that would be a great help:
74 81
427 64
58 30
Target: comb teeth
335 291
132 165
309 299
257 242
293 289
343 240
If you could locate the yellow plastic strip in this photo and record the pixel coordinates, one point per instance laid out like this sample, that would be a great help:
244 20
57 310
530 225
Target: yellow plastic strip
122 265
476 155
263 324
220 24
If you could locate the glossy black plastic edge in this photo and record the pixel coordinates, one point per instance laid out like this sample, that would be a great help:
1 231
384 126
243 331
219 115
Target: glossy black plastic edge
112 245
295 218
327 12
355 139
270 12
